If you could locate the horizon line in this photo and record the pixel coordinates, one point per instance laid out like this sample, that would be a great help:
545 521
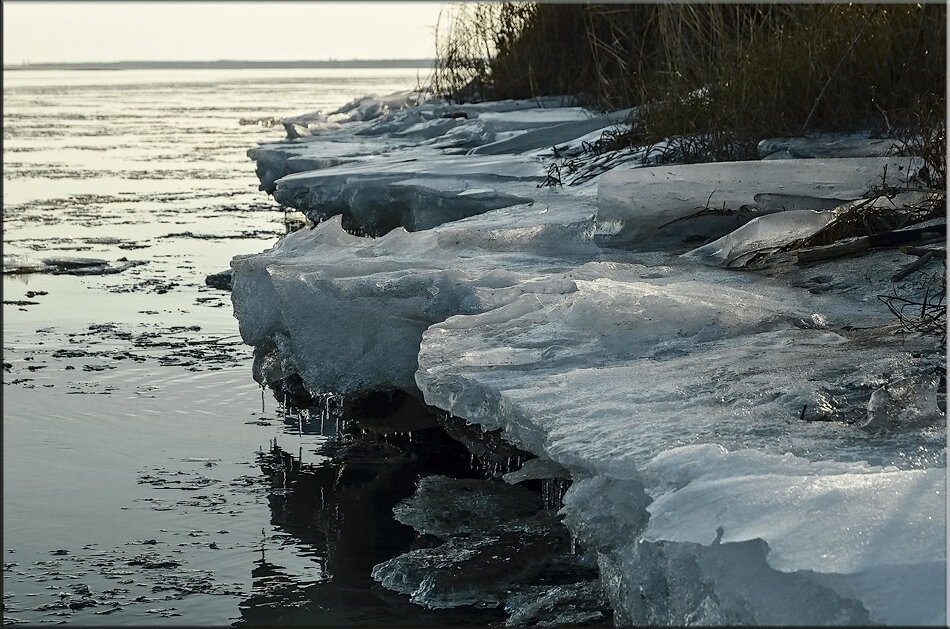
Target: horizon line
391 62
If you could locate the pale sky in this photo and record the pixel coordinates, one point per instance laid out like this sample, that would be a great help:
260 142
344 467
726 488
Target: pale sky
38 32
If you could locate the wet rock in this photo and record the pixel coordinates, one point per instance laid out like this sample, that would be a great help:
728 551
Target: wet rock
220 280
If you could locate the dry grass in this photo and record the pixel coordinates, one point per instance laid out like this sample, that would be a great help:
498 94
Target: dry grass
717 76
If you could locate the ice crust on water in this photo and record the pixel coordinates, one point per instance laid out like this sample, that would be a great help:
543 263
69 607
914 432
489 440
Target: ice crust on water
744 449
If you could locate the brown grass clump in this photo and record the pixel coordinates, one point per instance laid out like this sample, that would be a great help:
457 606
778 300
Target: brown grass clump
717 76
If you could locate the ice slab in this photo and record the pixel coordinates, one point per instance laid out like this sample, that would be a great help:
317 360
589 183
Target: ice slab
767 232
357 110
643 353
448 507
629 372
645 201
551 136
717 425
350 311
499 545
854 145
381 194
855 524
378 187
534 469
276 160
868 531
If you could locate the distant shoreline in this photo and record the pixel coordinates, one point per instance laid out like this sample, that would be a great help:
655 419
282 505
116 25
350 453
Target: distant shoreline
224 65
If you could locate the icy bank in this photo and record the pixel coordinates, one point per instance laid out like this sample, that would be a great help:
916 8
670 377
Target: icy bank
745 448
364 303
645 200
673 406
379 173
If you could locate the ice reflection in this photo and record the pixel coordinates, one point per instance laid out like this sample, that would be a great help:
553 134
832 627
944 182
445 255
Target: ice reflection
375 456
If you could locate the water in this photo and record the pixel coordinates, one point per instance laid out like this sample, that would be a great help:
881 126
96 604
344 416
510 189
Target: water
132 489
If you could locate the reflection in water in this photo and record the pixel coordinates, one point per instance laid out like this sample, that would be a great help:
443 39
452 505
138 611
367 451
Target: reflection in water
341 510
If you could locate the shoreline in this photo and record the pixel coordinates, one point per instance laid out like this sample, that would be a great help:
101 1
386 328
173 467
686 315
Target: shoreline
704 355
224 64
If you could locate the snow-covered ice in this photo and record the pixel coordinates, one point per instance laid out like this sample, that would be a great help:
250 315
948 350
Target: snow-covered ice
745 448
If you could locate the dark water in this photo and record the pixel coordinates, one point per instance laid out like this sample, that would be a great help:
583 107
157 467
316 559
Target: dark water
147 479
132 490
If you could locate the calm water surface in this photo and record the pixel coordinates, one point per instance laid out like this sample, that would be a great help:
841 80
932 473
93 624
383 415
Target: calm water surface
132 492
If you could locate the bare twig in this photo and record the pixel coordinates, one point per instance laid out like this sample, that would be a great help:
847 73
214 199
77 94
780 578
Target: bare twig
916 265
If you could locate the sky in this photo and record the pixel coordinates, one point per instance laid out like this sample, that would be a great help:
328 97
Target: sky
49 32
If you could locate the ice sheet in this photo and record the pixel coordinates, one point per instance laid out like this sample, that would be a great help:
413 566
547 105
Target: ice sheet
350 311
410 191
385 164
646 200
745 449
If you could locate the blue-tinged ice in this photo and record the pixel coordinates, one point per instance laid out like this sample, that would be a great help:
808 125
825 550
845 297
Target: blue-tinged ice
745 448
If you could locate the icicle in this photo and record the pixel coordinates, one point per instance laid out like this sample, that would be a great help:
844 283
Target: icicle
322 504
410 436
573 544
471 462
262 398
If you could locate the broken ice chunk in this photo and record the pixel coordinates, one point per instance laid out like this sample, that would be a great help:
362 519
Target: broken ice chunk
767 232
906 403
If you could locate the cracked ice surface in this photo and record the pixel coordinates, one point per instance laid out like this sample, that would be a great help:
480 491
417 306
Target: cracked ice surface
746 448
640 387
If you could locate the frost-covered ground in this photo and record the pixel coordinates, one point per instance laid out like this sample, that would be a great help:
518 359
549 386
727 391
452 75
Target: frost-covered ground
755 446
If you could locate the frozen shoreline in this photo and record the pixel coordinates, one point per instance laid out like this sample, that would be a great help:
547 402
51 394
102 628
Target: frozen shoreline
711 419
